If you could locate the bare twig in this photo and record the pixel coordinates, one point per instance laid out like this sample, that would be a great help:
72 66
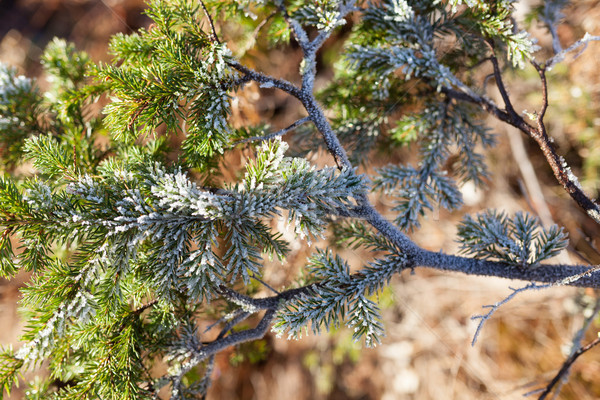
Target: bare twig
560 168
265 284
576 343
214 37
561 55
262 24
228 317
231 324
486 81
540 117
144 307
272 135
567 365
483 318
500 84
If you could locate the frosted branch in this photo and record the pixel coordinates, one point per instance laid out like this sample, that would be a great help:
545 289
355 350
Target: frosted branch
494 307
272 135
559 57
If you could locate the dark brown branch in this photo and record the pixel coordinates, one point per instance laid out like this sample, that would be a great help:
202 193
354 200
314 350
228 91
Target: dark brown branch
500 84
576 342
137 114
144 307
542 72
210 21
566 366
561 170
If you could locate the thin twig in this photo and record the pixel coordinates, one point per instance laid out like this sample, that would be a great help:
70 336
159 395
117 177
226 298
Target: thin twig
561 56
483 318
136 114
144 307
256 278
486 81
567 365
210 21
542 73
224 318
576 344
500 83
272 135
231 324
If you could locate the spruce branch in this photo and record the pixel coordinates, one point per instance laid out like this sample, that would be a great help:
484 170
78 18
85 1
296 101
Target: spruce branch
136 227
367 211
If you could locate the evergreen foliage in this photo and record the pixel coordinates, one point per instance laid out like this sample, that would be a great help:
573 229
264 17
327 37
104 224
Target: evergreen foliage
519 241
129 249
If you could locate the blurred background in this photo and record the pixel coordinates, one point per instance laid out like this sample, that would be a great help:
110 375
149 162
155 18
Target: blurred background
427 353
